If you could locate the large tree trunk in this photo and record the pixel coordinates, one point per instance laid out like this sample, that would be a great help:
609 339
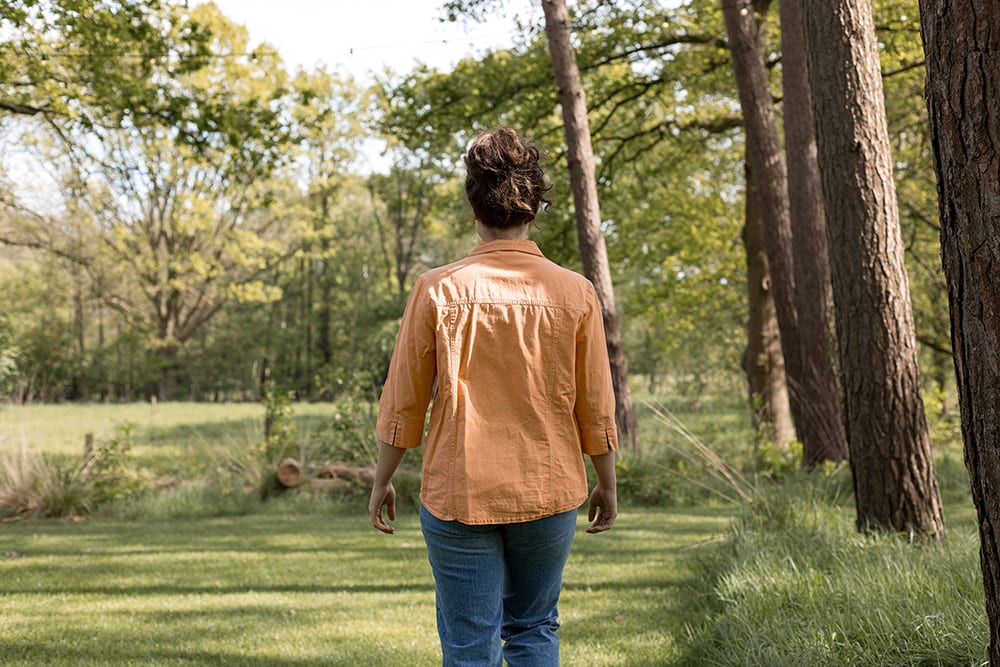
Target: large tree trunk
962 48
821 422
767 167
894 481
593 251
763 361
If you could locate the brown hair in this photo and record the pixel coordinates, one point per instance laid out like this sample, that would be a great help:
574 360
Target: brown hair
504 181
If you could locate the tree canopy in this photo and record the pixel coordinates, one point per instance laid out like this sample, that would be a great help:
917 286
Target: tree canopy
199 197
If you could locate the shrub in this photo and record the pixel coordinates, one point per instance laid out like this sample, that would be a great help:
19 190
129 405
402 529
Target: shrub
34 485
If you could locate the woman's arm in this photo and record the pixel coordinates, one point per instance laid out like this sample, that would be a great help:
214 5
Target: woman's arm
383 493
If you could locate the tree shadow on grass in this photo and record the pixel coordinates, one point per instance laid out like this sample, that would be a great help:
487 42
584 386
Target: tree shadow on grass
139 653
209 589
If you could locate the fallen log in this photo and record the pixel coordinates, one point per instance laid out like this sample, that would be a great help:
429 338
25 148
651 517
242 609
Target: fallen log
366 474
289 473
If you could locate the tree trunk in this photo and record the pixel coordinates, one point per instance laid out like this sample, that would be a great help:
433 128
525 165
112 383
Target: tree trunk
821 422
763 361
767 168
894 481
80 329
593 251
962 49
168 372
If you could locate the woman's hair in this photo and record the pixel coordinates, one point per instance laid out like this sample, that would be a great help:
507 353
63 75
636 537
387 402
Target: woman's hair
504 182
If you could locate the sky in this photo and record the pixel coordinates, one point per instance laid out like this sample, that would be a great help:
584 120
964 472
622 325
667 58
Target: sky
363 35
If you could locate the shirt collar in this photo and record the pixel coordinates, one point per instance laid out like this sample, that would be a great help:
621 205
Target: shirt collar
502 245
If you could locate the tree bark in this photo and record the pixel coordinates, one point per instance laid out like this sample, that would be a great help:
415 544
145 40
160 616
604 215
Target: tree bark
821 422
962 49
593 251
767 168
763 361
895 485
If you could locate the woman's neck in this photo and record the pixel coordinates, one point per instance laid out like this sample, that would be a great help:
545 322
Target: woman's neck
518 233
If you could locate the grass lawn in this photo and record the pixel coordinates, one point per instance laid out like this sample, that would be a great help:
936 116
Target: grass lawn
206 575
307 589
169 438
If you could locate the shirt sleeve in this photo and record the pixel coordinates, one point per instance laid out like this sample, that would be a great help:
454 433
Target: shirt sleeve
595 395
407 391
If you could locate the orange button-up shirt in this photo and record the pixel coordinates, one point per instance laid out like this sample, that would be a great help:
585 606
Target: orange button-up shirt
514 345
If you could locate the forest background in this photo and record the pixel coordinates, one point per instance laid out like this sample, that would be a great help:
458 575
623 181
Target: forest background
207 222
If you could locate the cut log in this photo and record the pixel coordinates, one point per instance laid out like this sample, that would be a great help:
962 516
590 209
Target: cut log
289 473
366 475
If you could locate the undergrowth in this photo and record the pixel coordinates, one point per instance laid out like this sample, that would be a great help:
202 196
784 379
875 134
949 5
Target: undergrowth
795 583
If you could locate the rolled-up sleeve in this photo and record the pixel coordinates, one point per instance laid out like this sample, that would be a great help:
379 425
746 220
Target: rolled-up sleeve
407 391
595 396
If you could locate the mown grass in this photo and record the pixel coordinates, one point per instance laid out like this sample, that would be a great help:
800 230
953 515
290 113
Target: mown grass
169 438
322 588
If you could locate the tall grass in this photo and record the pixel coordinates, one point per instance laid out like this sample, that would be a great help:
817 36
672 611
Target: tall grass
795 584
31 486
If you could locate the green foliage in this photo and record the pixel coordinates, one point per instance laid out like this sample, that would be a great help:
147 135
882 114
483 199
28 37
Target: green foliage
279 427
774 463
272 248
8 357
36 338
109 470
350 435
93 62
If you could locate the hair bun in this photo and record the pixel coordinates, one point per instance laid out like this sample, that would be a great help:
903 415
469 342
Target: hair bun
504 181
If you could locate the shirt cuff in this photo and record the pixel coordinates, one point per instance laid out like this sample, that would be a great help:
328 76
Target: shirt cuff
600 440
396 432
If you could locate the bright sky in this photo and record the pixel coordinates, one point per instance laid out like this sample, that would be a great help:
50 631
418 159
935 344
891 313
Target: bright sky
365 35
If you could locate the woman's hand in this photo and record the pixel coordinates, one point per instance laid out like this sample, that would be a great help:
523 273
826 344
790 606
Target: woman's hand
383 495
604 506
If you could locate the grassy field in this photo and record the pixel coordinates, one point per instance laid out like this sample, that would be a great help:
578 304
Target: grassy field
169 438
209 573
306 589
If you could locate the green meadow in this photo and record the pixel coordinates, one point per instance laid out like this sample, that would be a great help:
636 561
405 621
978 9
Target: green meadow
207 572
281 588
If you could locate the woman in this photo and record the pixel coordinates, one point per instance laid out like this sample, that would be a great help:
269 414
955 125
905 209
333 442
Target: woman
511 348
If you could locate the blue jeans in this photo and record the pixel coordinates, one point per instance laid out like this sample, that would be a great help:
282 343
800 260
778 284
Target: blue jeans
498 582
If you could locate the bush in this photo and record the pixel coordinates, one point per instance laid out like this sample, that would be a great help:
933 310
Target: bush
34 485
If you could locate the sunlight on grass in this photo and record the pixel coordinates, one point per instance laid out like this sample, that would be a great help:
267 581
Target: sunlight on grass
312 589
170 438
